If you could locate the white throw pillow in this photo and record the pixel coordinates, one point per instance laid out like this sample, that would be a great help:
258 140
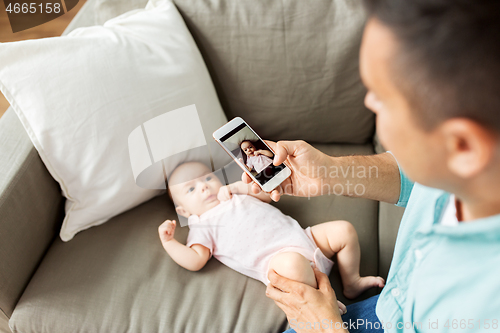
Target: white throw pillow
80 96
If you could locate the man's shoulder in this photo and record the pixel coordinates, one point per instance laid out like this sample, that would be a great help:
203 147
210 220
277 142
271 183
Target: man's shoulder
425 196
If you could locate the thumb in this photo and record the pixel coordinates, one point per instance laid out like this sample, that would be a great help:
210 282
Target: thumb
281 152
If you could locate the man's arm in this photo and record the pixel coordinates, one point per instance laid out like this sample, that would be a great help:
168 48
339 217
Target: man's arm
315 173
372 176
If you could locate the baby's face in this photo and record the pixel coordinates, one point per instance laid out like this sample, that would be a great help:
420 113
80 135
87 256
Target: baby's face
194 189
248 148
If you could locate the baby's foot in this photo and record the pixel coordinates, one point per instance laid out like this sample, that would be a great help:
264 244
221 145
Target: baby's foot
357 286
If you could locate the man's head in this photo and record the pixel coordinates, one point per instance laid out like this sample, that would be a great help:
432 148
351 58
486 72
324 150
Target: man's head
193 188
247 147
432 69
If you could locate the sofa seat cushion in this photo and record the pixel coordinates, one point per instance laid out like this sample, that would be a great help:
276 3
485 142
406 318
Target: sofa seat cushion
117 277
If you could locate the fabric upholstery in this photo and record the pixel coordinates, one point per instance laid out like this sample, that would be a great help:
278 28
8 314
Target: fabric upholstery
117 277
289 68
107 9
389 218
30 207
4 323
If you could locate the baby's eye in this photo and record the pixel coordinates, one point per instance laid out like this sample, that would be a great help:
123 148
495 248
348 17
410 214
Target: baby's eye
191 189
209 178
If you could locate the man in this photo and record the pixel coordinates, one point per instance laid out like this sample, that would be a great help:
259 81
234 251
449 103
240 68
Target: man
432 70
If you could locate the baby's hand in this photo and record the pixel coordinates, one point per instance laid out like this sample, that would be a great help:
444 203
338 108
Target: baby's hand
166 231
257 153
224 193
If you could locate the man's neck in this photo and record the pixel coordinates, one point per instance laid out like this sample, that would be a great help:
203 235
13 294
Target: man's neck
468 211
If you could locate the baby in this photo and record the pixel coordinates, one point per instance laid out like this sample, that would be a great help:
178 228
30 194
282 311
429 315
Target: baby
256 159
249 235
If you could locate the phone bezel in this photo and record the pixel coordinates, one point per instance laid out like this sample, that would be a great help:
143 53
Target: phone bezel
230 126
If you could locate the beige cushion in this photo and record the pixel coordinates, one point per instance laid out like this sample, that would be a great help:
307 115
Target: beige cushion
137 67
289 68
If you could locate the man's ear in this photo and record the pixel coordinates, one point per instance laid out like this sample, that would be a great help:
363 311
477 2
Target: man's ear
470 147
181 211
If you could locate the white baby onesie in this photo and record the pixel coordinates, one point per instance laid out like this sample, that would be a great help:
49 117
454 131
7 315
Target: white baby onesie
244 233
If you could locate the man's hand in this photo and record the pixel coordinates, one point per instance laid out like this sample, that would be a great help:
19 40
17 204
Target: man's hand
302 303
315 173
166 231
305 161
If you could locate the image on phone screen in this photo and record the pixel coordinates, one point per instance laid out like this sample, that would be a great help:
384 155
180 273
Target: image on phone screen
252 152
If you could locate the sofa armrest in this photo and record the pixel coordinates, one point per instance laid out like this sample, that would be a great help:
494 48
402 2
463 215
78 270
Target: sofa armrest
31 207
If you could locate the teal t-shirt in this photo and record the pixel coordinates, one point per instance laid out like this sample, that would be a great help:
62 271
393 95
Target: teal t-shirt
442 278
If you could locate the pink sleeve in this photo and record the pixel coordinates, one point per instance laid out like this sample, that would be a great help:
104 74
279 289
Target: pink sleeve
200 235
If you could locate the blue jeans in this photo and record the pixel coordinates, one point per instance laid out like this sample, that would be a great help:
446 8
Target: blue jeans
364 310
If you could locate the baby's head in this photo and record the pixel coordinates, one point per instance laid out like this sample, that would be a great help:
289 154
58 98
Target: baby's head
194 188
247 147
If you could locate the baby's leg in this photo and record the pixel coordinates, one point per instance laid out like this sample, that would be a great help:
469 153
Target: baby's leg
294 266
341 238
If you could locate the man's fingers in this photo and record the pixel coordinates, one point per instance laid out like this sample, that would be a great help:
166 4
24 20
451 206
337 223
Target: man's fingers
342 308
271 144
283 307
256 188
279 297
246 178
277 156
274 293
275 195
323 281
281 152
285 284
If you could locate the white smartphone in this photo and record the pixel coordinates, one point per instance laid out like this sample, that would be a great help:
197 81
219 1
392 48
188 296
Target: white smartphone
251 153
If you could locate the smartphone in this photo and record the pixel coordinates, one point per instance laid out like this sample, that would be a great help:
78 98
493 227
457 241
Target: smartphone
251 153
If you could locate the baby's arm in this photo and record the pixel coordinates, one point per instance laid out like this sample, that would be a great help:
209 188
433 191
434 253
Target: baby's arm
264 152
192 258
226 192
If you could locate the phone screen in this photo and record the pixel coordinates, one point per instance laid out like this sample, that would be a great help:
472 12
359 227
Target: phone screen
252 152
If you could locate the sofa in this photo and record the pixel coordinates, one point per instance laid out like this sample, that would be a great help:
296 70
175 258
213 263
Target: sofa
290 69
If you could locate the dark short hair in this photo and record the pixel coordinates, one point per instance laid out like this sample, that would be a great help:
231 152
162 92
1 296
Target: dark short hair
448 62
246 141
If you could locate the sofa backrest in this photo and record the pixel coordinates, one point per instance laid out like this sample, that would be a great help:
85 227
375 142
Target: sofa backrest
289 68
